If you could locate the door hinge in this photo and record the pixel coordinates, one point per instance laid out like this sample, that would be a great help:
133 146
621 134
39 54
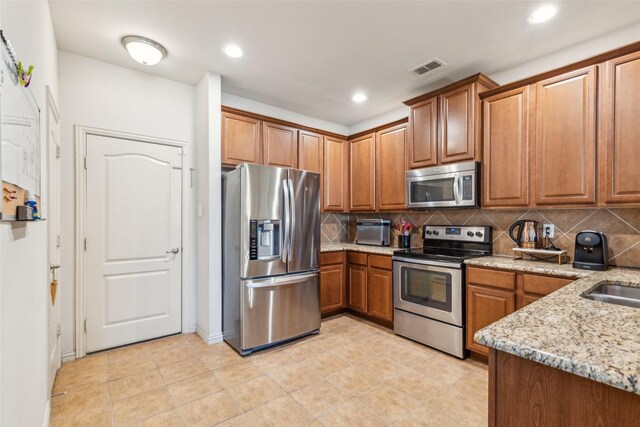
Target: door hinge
85 162
58 241
85 325
59 330
85 243
58 151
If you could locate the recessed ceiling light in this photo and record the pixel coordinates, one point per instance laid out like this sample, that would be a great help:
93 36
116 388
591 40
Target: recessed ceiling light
543 14
233 51
144 50
359 97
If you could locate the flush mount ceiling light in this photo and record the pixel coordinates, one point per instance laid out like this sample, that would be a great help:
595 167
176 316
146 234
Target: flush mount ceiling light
144 50
233 51
542 14
359 97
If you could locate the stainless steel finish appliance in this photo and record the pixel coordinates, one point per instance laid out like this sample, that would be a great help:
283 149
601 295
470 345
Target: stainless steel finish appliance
271 250
450 186
592 251
373 232
526 234
429 285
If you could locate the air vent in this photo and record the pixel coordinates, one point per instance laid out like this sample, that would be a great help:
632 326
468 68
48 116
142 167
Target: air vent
428 66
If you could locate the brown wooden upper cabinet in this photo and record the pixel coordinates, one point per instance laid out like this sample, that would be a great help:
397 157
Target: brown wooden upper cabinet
362 157
279 145
619 137
241 139
335 175
444 125
506 149
310 151
390 167
422 138
565 139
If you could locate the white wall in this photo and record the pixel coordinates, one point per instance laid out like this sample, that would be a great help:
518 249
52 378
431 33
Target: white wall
209 224
24 274
380 120
101 95
246 104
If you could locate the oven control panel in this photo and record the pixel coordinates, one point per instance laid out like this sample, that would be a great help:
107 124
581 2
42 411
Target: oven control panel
480 234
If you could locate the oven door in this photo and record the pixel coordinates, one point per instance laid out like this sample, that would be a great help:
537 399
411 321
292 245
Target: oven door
430 291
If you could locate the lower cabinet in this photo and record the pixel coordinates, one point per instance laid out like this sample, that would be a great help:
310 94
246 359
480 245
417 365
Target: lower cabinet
332 282
380 294
493 294
357 288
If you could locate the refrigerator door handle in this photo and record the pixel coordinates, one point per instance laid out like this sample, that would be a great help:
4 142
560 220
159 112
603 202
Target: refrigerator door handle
286 237
279 281
292 225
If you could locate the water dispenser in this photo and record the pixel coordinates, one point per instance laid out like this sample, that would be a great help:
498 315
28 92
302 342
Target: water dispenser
264 239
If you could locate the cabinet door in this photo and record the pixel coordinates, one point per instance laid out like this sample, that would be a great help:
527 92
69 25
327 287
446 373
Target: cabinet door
336 174
565 162
357 292
362 173
380 294
241 139
331 288
485 306
279 145
620 131
390 165
422 142
505 180
310 151
457 124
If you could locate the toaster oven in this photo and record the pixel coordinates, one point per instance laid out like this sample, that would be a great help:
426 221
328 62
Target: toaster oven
373 232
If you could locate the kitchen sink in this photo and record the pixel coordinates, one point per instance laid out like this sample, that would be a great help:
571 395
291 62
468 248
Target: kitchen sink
614 293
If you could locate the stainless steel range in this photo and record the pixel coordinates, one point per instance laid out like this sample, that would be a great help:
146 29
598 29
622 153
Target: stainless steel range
429 285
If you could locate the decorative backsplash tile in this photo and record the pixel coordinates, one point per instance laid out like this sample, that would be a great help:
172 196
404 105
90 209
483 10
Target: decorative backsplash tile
621 225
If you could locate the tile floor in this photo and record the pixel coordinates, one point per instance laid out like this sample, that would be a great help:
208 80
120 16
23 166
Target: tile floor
353 373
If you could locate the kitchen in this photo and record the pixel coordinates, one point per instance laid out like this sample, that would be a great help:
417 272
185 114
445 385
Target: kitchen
349 252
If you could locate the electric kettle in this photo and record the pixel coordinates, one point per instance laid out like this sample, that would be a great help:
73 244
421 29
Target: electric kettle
527 234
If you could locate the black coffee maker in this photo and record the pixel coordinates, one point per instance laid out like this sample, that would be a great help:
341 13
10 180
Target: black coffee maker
592 251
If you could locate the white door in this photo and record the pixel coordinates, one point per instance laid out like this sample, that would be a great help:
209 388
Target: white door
133 241
53 220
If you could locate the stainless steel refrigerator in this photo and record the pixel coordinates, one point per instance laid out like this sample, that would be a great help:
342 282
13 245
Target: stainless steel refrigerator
271 250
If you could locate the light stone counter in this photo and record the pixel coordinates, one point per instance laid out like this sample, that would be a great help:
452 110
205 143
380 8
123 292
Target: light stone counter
525 266
337 247
595 340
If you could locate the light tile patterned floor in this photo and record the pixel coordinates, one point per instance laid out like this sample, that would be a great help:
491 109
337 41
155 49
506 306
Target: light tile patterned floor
352 374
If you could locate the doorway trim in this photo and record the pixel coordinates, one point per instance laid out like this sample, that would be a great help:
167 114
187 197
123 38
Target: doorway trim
81 134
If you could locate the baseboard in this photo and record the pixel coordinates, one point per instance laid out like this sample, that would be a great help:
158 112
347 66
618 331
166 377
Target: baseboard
189 329
68 357
209 338
47 414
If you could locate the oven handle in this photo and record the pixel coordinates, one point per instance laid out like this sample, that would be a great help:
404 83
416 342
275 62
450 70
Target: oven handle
445 265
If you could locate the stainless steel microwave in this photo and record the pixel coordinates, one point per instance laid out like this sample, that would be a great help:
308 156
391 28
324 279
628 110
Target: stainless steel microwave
450 186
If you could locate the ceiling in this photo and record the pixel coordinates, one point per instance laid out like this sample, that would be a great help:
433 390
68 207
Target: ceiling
311 56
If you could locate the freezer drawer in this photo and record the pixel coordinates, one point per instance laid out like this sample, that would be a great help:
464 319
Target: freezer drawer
278 308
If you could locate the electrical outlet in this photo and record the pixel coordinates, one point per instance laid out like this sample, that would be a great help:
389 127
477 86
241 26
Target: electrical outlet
549 230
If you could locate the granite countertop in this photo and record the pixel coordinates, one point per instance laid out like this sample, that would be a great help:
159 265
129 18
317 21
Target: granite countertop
595 340
540 267
337 247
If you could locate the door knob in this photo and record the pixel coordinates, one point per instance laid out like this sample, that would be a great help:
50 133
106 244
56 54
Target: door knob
174 251
54 266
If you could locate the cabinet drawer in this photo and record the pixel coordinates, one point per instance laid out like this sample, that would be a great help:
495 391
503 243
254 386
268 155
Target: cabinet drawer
543 285
358 258
329 258
493 278
380 261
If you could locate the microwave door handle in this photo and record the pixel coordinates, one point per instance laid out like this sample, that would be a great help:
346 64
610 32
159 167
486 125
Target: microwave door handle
285 227
292 225
456 189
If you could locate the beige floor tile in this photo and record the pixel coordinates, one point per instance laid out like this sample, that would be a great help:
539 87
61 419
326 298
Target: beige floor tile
463 409
416 384
355 352
294 376
209 410
326 364
194 388
168 343
389 403
68 379
256 392
443 371
141 406
329 340
319 397
81 399
196 342
354 380
181 370
299 351
237 373
270 359
131 352
174 355
97 417
219 355
425 417
284 411
130 367
134 384
165 419
239 421
353 414
384 367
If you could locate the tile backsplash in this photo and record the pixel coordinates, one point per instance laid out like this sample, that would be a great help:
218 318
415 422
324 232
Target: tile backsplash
621 225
